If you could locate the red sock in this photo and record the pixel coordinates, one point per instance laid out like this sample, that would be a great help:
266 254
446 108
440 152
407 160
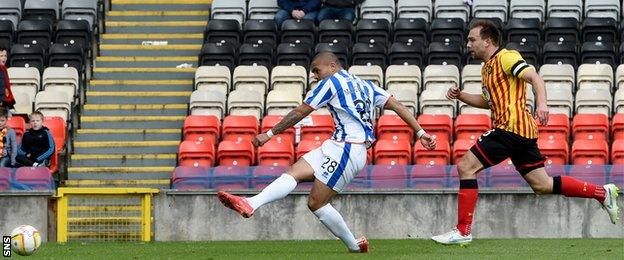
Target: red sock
571 187
466 202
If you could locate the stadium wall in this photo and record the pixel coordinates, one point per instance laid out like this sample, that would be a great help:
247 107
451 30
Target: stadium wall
25 208
200 216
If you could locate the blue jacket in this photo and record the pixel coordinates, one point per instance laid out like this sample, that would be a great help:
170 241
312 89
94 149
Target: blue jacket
305 5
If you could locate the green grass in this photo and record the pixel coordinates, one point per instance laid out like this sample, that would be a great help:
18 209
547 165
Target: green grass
333 249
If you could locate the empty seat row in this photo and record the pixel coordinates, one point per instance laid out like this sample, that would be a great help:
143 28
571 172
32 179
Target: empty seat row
34 32
49 10
26 178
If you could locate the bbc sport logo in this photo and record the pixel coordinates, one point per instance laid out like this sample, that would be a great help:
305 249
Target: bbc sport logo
6 246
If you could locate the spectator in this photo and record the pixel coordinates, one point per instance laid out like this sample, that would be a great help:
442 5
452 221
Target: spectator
296 9
37 143
338 9
9 141
7 101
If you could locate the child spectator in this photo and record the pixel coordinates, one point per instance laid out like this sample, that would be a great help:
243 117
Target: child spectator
9 141
37 143
7 100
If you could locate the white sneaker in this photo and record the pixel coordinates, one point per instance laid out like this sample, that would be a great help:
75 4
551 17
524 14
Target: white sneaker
610 202
453 238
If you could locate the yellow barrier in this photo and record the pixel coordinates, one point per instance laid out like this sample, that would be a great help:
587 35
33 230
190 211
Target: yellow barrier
104 214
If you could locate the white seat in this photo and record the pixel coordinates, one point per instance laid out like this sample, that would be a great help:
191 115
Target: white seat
618 101
619 77
560 101
440 76
471 73
53 103
280 102
490 9
62 79
452 9
414 9
603 8
229 10
254 78
403 77
475 89
291 78
25 80
373 73
406 96
262 9
558 76
565 8
23 103
213 78
378 9
433 101
246 102
595 76
208 102
593 101
527 9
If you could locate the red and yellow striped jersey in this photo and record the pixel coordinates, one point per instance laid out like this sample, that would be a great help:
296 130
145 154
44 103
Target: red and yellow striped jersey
505 91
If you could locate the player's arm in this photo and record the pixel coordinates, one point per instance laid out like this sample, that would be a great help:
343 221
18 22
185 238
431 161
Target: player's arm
470 99
539 89
292 118
402 111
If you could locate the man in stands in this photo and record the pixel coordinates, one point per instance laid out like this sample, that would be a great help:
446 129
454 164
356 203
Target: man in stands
338 9
296 9
352 102
514 135
37 143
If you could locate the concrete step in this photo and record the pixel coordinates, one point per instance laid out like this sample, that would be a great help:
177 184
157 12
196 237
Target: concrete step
141 85
144 73
126 147
139 97
131 122
135 109
144 61
150 50
156 26
146 183
158 15
160 4
128 134
119 173
123 160
145 38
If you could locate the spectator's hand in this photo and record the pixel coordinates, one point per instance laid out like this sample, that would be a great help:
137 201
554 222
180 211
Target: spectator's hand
4 153
429 142
13 162
28 155
295 14
541 114
260 139
453 92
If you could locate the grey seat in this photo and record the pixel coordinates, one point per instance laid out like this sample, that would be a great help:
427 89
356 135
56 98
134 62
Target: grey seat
452 9
11 10
378 9
262 9
229 10
490 9
528 9
415 9
602 8
565 8
80 10
41 10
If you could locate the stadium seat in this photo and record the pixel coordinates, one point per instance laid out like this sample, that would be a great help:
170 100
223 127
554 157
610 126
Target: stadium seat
44 10
391 152
527 9
601 29
260 32
35 32
452 9
342 52
378 9
229 10
440 76
411 53
213 78
23 103
619 77
428 177
64 79
560 53
236 153
594 151
599 52
441 155
230 177
368 54
433 101
490 9
529 51
7 31
372 73
562 29
391 127
240 128
504 176
336 31
58 129
276 152
262 9
202 128
558 76
66 55
220 54
559 101
389 177
446 30
307 145
595 76
471 126
27 55
403 76
475 89
406 96
618 101
255 78
207 102
5 178
256 55
602 8
298 31
268 122
196 153
558 127
440 126
555 149
590 126
53 103
565 8
264 175
11 10
410 30
317 128
617 126
25 80
370 31
190 178
34 178
281 102
461 147
246 102
617 152
85 10
75 32
292 54
445 53
592 173
19 126
593 101
415 9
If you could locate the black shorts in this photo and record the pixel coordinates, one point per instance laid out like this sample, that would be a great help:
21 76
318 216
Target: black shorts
497 145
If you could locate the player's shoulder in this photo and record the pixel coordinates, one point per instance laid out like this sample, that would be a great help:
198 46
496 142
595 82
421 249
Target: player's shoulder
505 54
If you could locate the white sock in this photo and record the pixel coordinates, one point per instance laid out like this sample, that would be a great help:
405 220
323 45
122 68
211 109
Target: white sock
330 217
278 189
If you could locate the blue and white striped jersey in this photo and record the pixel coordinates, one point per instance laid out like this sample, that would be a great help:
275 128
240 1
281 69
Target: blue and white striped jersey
352 103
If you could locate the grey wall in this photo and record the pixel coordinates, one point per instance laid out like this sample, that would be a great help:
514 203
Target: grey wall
24 208
202 217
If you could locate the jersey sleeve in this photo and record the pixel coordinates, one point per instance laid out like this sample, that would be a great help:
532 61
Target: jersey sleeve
514 64
380 96
322 94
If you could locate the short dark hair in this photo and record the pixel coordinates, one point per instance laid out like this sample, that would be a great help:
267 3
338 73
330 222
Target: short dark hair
489 30
4 113
3 47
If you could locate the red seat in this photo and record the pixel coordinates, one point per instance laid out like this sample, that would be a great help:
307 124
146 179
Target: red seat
617 127
36 178
19 126
196 153
440 126
264 175
54 162
441 155
268 122
202 128
392 127
230 177
558 126
590 126
461 147
190 178
307 145
617 152
276 152
235 153
240 128
392 152
58 129
389 176
5 178
428 176
555 149
471 126
318 128
590 152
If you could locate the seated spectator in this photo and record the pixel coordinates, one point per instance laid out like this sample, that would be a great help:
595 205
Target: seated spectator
338 9
9 141
296 9
37 143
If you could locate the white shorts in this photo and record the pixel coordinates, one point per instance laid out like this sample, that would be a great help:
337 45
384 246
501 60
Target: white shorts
337 163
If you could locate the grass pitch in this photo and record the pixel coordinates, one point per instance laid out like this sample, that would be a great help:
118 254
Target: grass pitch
333 249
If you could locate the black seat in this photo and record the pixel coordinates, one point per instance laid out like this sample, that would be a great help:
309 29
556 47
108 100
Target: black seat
223 31
598 52
561 29
448 30
218 54
66 55
449 53
412 53
293 54
260 31
7 33
298 31
528 50
76 32
523 30
599 30
35 32
338 49
622 31
369 54
336 31
622 53
373 31
560 53
256 54
27 55
410 30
